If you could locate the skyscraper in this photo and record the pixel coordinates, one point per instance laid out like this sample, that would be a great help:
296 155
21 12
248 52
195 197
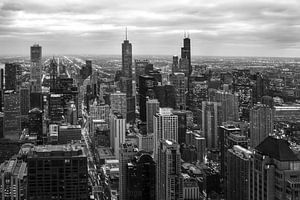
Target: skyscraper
186 53
146 90
12 76
166 95
57 172
261 123
175 64
239 162
165 127
35 124
211 114
118 103
127 153
127 74
169 182
180 83
117 132
140 67
12 113
152 107
36 67
126 58
141 177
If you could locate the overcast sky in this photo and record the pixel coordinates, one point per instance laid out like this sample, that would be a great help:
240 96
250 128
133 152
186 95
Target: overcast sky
216 27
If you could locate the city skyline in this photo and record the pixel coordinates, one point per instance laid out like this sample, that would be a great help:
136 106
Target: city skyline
216 28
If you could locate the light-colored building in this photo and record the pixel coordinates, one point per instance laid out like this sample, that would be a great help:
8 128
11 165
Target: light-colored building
118 103
117 132
146 142
169 182
165 127
152 107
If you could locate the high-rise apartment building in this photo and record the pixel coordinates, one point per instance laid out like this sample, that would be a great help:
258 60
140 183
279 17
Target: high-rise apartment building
261 123
57 172
169 182
117 132
165 127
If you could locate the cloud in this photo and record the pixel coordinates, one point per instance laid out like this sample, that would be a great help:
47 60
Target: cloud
226 27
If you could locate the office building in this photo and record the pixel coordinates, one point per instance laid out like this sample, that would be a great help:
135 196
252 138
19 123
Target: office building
186 53
238 168
35 125
196 139
12 76
118 103
261 123
146 91
57 172
180 83
36 100
117 132
126 58
13 179
127 153
56 109
169 182
69 133
274 173
12 113
166 95
36 67
100 111
175 64
211 114
152 107
182 124
25 100
140 69
165 127
141 177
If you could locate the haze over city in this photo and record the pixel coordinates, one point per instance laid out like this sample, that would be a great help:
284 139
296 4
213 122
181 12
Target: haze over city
217 28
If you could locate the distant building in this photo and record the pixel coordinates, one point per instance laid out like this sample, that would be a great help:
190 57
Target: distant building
126 59
57 171
238 168
141 177
36 67
169 182
186 53
13 179
175 64
140 69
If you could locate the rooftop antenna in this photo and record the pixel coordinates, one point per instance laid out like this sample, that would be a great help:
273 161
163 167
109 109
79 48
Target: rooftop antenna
188 34
126 33
184 34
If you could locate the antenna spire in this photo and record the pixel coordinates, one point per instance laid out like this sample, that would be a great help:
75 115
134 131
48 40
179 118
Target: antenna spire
126 33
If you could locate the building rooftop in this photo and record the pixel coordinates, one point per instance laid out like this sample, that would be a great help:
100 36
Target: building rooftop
277 148
57 151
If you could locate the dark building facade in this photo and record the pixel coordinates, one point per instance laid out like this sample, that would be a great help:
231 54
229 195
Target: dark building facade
166 95
186 53
57 172
141 178
12 76
35 124
146 90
